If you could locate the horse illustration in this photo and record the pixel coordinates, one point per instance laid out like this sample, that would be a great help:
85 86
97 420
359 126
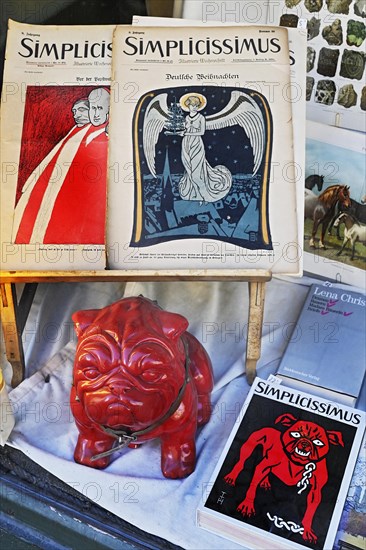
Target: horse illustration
357 210
354 231
314 180
321 208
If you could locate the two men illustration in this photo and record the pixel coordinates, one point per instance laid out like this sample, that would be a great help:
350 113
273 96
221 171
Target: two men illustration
64 199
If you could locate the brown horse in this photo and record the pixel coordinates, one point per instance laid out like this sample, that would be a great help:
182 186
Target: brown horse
321 208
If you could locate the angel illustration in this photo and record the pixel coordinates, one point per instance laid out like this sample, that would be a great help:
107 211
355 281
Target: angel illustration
201 181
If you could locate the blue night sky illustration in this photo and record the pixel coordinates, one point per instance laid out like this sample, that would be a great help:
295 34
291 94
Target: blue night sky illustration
228 146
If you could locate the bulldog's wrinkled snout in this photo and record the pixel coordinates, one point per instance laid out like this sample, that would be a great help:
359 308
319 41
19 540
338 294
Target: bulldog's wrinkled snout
119 387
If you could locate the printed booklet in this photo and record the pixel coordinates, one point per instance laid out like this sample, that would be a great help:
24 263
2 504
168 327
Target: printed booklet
201 133
283 476
297 52
54 147
326 352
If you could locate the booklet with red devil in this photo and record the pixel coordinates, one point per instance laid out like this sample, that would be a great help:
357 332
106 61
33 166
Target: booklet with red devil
283 476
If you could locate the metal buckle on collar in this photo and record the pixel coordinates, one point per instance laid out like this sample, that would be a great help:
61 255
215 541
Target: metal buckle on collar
123 441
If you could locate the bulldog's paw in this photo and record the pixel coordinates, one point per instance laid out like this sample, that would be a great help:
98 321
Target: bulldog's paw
178 461
86 449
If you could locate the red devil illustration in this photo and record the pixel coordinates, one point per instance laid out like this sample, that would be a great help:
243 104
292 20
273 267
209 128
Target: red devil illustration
296 457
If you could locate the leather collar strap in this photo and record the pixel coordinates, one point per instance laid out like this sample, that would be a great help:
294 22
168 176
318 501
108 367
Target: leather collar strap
124 438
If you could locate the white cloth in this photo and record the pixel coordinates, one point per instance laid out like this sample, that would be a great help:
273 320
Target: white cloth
132 487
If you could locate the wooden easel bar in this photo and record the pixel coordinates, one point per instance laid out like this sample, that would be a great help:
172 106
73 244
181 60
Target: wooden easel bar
11 314
247 275
12 332
255 323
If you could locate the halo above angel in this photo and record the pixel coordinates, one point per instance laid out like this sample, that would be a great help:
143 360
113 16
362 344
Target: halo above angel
201 181
201 101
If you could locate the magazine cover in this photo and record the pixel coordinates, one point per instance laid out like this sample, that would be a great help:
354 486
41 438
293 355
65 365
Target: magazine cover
335 204
336 92
352 527
203 174
54 146
327 338
284 474
297 52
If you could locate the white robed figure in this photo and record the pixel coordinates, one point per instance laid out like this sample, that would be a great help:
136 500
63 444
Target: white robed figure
202 182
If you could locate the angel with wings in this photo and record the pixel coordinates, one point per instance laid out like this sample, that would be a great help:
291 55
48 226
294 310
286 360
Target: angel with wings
201 181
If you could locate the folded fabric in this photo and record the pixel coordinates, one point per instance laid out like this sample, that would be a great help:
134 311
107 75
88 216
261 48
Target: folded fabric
133 487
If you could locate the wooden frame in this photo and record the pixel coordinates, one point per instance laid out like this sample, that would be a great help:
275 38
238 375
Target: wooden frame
14 314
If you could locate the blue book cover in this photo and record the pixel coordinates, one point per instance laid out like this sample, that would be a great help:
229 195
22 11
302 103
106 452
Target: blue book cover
326 351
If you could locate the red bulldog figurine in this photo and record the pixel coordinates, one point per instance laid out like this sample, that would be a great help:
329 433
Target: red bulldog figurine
138 375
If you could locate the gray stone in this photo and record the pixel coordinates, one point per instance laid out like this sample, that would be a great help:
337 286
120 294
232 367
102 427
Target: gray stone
289 20
310 59
309 87
325 92
292 3
327 62
338 6
347 96
352 64
313 28
360 8
313 5
333 33
363 99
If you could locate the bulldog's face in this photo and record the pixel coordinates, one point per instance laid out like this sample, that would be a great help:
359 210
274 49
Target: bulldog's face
306 441
129 364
